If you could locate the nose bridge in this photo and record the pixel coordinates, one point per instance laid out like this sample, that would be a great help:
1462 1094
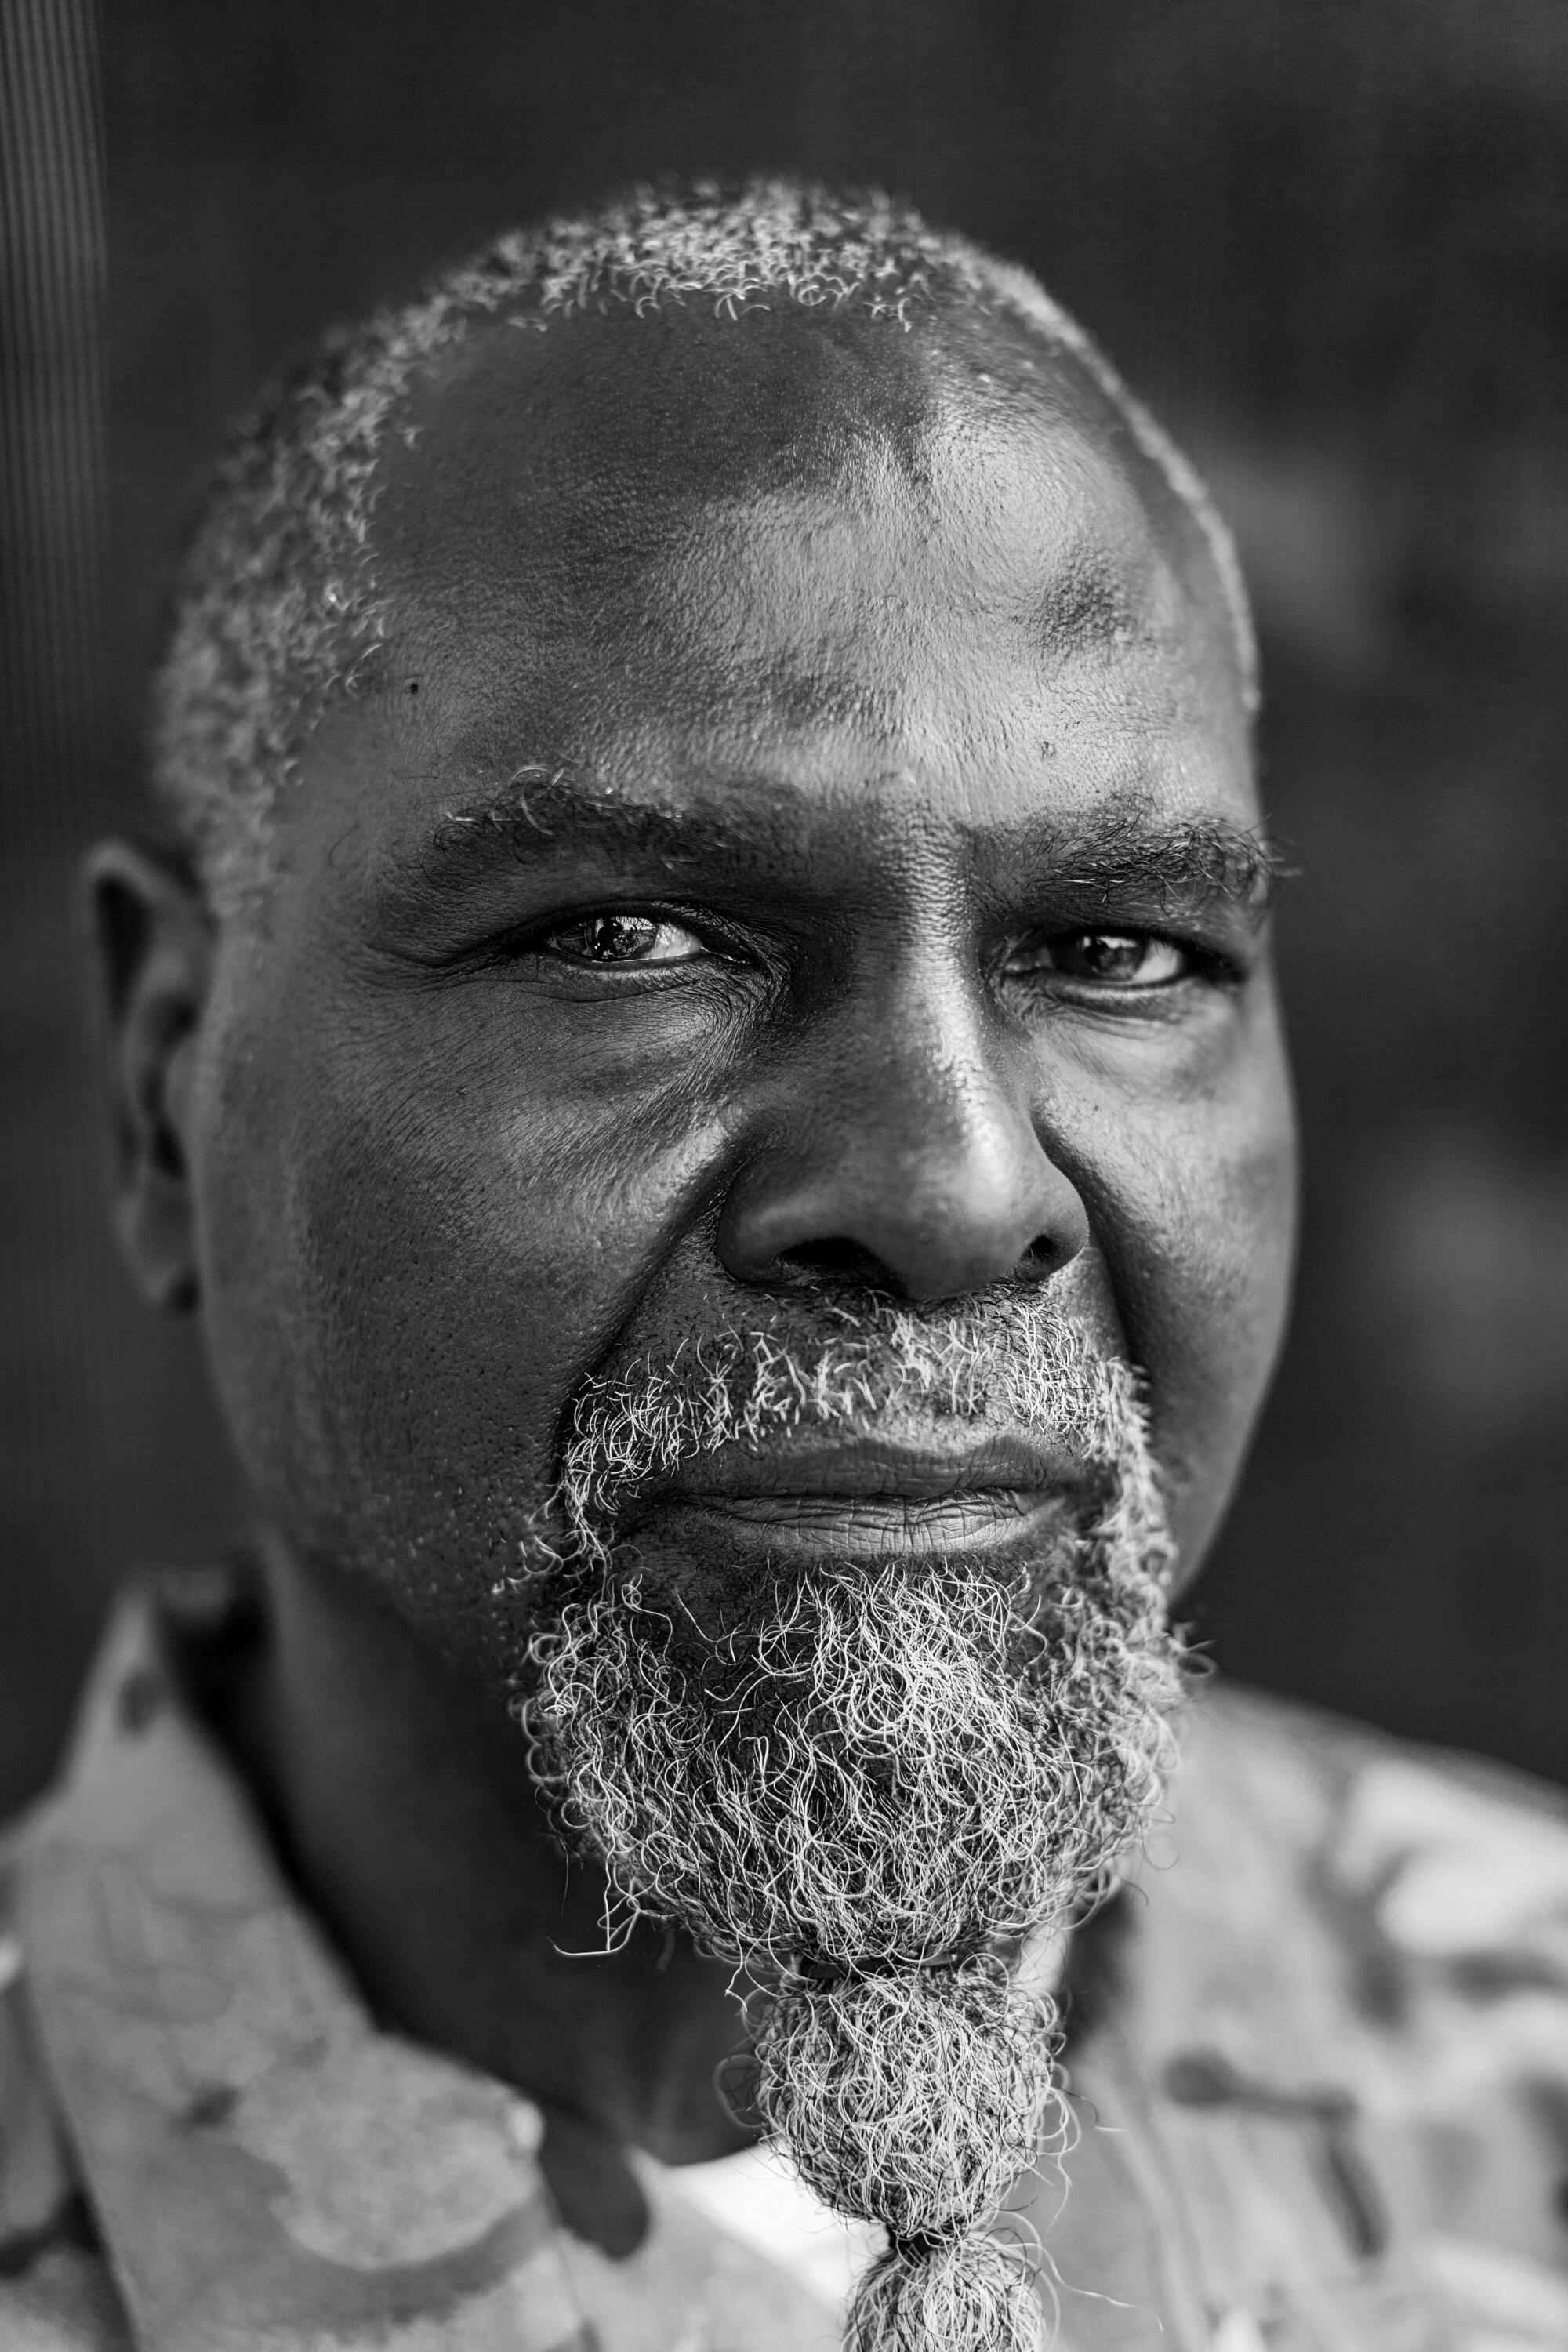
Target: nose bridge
913 1143
938 1098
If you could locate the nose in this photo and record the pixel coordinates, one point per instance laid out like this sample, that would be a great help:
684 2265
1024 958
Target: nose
913 1166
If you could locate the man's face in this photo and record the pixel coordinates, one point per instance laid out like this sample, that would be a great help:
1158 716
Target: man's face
778 867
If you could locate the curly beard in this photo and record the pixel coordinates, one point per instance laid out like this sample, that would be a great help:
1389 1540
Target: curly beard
866 1784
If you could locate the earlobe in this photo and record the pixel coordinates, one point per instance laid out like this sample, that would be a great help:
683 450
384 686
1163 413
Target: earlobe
151 938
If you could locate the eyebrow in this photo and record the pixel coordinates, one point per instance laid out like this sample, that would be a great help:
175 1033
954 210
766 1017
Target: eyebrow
539 805
1124 853
1201 860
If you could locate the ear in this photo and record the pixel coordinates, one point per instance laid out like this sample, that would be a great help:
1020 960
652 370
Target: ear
152 941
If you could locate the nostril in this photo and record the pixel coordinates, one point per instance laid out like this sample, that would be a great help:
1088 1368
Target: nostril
1043 1256
841 1262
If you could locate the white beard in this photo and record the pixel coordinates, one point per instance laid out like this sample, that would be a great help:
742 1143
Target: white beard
865 1784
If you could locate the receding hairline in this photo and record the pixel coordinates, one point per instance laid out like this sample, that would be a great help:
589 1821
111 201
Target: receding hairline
279 606
599 415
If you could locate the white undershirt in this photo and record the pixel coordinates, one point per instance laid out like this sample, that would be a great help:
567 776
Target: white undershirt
757 2199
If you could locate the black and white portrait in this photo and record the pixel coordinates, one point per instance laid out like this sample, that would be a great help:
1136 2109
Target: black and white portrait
786 935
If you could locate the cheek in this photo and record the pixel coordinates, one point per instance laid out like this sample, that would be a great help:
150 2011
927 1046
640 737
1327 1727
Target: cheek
411 1274
1196 1220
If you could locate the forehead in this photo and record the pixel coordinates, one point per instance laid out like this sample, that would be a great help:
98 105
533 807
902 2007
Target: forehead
703 542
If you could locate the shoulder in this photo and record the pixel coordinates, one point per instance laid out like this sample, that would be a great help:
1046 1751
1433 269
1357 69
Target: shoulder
55 2291
1338 1745
1455 1852
1410 1904
1432 1885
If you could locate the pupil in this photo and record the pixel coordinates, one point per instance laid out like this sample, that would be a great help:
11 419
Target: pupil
1110 958
614 939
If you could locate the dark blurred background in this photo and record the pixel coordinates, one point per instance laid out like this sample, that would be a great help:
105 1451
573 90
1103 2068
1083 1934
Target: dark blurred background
1328 240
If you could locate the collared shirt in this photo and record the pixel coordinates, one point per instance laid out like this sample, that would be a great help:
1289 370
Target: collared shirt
1319 2070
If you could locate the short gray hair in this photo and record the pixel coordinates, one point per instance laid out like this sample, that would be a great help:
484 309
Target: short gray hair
276 607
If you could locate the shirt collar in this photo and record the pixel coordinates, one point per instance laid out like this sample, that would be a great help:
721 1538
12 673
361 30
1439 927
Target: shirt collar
268 2168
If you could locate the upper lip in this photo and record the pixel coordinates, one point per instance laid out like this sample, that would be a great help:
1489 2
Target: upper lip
861 1467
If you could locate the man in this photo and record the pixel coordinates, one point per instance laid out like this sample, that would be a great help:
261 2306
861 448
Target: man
706 1054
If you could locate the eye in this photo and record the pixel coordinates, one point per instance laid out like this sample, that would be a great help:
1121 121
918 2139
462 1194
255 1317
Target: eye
612 938
1106 959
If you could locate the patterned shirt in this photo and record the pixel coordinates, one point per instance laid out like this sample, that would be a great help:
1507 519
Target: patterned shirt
1317 2064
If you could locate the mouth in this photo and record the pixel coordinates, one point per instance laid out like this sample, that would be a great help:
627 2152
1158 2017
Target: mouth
856 1498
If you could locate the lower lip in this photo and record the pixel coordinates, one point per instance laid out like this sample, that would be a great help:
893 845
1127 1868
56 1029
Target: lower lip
859 1526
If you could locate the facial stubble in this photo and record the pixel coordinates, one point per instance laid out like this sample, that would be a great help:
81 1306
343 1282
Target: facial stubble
865 1785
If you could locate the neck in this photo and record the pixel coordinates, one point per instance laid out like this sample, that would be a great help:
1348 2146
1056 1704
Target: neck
405 1806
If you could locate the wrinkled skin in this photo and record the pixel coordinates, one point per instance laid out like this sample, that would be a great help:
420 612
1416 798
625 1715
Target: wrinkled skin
901 633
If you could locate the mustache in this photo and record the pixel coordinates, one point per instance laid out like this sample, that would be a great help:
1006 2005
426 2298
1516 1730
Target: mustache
863 1786
1008 1363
